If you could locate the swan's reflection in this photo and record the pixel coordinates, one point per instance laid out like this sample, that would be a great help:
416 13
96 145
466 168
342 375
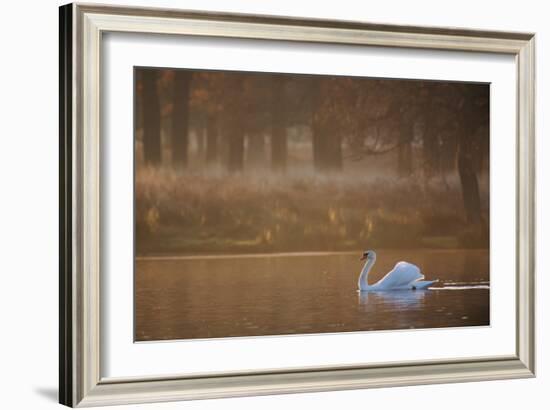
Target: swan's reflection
396 299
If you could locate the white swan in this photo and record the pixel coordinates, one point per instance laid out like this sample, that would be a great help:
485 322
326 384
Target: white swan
404 276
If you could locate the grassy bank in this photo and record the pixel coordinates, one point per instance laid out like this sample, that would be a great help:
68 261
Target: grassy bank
211 212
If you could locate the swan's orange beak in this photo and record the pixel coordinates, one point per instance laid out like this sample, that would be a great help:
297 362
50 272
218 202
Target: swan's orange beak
362 258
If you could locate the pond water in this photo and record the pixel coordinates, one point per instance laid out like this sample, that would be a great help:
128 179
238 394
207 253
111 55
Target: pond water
254 295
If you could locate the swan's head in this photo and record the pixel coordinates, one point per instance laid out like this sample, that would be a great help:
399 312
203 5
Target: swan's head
368 255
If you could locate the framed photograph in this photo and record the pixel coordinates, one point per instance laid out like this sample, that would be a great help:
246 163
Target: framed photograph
258 205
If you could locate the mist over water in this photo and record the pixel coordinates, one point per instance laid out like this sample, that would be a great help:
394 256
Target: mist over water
256 295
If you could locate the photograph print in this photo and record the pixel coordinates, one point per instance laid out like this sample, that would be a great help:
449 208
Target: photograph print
278 204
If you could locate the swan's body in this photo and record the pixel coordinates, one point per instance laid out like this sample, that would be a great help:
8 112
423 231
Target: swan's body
404 276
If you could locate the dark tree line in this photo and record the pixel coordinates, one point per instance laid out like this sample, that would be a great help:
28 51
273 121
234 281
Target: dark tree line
232 115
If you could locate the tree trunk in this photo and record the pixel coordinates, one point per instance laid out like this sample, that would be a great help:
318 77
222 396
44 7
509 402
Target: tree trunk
326 140
448 150
256 149
332 151
279 148
151 118
316 145
235 128
430 150
327 148
337 158
138 107
474 114
235 160
200 136
404 159
468 180
180 118
317 129
404 153
211 139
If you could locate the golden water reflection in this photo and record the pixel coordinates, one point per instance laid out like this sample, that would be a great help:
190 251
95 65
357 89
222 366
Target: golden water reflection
183 298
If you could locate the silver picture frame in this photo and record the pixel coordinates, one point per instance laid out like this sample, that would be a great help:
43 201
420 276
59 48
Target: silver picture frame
81 30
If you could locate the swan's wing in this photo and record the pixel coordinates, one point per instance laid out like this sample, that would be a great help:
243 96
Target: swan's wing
401 275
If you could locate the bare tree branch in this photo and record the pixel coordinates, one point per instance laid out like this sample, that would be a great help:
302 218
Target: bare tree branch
364 152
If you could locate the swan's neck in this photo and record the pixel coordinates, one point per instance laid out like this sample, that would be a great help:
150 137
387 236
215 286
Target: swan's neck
363 277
